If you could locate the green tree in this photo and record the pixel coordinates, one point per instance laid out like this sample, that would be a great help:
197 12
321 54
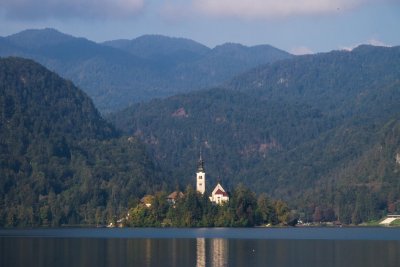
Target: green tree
245 204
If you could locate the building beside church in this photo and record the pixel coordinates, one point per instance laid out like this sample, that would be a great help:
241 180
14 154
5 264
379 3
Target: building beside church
218 195
174 196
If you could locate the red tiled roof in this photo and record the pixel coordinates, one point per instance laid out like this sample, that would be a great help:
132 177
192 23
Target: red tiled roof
220 192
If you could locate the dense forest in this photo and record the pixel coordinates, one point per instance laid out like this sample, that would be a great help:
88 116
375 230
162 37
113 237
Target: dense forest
61 163
319 131
118 73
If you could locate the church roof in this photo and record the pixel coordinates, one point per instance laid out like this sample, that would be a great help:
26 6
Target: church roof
200 167
220 192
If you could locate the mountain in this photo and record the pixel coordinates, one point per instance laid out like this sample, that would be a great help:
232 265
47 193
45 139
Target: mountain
186 62
61 162
319 131
226 61
6 46
118 73
98 69
32 39
150 46
316 79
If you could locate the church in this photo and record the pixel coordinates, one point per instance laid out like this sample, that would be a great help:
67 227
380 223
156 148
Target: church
218 195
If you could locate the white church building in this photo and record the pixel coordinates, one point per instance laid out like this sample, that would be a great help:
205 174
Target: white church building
218 195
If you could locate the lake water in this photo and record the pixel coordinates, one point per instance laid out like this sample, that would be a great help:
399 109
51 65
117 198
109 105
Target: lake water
270 247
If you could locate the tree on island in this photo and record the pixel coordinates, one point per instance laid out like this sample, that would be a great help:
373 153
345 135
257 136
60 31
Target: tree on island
194 209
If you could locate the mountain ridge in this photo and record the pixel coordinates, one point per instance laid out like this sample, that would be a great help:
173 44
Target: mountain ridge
115 78
162 44
36 38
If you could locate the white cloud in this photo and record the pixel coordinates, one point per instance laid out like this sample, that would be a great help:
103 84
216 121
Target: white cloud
301 50
371 41
376 42
38 9
273 8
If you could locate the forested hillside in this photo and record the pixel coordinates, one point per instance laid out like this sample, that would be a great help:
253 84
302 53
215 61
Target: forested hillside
320 131
156 46
118 73
187 63
61 163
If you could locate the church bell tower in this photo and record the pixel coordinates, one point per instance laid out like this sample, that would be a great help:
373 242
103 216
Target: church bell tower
200 177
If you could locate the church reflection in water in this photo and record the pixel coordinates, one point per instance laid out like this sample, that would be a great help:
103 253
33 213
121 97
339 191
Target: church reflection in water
212 252
201 252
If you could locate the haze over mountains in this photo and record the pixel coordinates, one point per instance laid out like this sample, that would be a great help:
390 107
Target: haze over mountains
118 73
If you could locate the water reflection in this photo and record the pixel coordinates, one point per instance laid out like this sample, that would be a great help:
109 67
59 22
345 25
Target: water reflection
212 252
147 253
219 252
200 252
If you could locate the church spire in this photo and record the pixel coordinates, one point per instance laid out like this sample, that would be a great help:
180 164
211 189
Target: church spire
200 176
200 166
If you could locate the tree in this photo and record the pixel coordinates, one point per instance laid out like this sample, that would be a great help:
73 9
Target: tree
282 211
265 211
245 204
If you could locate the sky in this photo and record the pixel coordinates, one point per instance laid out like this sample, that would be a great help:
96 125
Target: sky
297 26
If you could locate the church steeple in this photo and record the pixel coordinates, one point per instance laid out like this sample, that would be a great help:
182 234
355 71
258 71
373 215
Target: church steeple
200 176
200 166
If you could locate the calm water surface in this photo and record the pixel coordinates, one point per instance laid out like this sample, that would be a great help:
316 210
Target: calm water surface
298 247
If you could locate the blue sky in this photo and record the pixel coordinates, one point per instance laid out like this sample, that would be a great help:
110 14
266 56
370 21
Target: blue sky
297 26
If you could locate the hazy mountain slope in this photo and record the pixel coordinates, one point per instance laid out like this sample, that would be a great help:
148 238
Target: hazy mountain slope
156 66
301 129
151 46
101 70
7 47
330 81
228 60
186 63
61 163
32 39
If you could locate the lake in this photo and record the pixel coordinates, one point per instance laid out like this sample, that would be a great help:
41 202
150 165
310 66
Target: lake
198 247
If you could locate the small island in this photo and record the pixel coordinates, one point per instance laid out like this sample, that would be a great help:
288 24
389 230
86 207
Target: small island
194 208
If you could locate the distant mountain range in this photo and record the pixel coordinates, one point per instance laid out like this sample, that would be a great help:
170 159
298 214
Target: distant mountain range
322 131
118 73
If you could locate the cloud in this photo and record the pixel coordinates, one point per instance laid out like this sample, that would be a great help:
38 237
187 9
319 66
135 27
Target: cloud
372 41
176 10
376 42
273 8
39 9
301 50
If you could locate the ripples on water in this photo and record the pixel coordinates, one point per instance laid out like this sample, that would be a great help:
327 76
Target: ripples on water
197 247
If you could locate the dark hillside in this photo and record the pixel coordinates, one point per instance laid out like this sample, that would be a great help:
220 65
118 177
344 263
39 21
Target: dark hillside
61 163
